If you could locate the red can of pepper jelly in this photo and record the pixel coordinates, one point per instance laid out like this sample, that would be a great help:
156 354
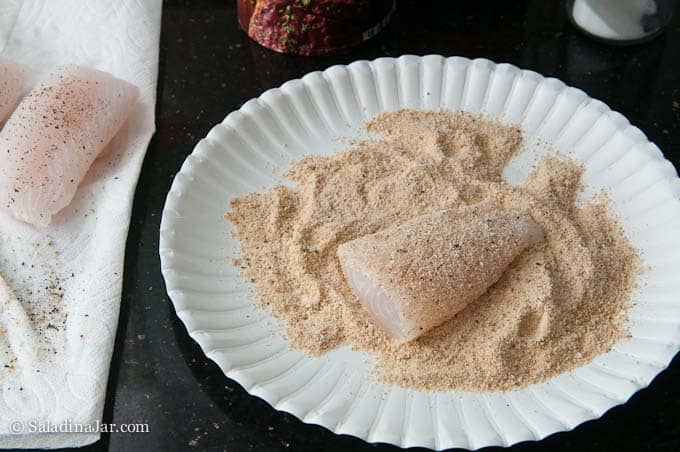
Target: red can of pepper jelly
313 27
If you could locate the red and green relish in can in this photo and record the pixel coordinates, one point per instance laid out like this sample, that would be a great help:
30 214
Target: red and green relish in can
313 27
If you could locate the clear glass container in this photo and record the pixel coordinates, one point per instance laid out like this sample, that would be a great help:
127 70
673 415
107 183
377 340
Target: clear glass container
620 21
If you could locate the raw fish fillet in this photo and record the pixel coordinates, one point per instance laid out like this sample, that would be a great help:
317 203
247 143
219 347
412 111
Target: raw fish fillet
53 137
16 326
12 79
415 276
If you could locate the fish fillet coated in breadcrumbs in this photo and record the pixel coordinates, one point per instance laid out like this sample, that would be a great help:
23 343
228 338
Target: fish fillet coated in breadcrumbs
55 134
414 276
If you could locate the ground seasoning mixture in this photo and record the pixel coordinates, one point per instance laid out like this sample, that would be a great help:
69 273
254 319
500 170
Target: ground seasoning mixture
558 305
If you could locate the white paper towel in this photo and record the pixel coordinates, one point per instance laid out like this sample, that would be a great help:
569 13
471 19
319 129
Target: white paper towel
68 277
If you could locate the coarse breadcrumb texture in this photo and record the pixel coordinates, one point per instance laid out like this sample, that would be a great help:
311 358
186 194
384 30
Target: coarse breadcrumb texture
556 307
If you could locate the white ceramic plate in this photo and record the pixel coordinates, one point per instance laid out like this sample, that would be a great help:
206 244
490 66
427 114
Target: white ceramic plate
306 116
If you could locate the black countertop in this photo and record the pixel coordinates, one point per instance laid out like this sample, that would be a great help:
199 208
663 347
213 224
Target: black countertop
208 68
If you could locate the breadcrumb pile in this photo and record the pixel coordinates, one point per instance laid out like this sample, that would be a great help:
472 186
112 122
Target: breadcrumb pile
557 306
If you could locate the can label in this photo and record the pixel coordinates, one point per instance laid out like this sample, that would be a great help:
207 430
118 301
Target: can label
313 27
